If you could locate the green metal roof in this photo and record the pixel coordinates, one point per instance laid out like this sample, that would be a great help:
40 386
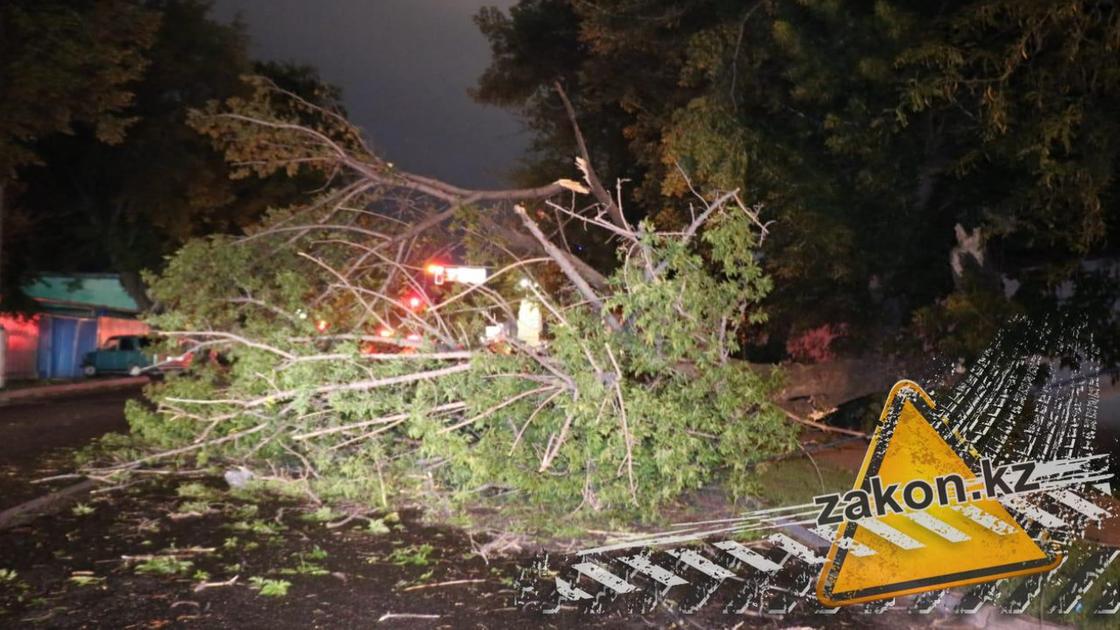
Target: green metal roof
97 291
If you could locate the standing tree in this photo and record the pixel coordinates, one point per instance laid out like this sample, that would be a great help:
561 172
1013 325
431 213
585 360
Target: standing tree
870 129
124 206
63 63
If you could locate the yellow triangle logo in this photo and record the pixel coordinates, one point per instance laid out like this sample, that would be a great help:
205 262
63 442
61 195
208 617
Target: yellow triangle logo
939 547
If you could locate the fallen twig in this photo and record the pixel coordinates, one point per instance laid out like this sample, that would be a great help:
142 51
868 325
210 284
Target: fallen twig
205 585
439 584
821 426
405 616
48 503
189 551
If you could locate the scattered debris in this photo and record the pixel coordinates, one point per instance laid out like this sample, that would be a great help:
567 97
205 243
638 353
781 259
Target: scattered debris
238 477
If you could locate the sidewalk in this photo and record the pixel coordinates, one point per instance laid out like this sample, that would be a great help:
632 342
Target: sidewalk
32 392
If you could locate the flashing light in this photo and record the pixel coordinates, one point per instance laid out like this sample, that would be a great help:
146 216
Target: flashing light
385 332
322 325
438 273
414 302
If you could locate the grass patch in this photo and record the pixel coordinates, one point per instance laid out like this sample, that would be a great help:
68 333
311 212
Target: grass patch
197 491
246 512
305 568
377 527
306 565
322 515
193 507
795 481
258 526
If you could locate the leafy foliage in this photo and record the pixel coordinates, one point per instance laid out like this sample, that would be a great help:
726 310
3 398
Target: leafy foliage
82 509
270 588
164 565
122 203
412 556
633 399
64 63
869 129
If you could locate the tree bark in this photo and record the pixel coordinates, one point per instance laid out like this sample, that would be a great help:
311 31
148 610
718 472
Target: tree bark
823 386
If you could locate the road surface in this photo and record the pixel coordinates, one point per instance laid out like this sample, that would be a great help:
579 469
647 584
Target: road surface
36 436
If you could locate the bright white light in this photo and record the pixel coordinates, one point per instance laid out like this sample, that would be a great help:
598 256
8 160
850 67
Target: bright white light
467 275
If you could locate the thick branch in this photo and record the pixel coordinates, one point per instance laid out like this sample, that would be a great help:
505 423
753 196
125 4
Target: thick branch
363 385
566 266
597 189
528 245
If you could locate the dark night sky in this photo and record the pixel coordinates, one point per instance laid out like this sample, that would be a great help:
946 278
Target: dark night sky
404 67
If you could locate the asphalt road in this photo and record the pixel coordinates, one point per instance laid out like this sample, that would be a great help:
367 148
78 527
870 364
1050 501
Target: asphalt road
29 430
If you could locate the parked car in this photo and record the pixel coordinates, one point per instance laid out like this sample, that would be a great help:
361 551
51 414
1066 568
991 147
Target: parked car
132 355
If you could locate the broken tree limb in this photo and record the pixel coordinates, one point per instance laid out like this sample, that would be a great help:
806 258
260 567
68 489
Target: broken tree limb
597 188
833 383
46 504
525 243
419 587
566 266
330 389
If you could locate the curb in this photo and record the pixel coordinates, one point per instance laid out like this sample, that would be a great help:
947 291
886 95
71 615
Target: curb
66 389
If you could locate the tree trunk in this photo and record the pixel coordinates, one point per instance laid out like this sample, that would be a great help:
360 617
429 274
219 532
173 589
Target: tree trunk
135 288
824 386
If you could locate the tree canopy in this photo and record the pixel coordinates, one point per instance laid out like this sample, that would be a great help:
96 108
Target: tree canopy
869 129
64 63
94 201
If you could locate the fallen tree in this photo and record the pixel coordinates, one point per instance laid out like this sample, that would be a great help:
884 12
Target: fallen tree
332 375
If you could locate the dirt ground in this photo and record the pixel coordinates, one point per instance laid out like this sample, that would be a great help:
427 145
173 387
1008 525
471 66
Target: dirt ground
189 553
185 553
136 559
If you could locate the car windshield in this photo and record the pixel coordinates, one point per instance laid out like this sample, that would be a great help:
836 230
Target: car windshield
126 344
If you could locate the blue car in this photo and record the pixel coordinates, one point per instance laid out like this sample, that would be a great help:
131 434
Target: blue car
132 355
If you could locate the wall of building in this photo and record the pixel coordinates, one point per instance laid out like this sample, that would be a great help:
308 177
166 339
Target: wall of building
23 343
63 343
114 326
52 346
